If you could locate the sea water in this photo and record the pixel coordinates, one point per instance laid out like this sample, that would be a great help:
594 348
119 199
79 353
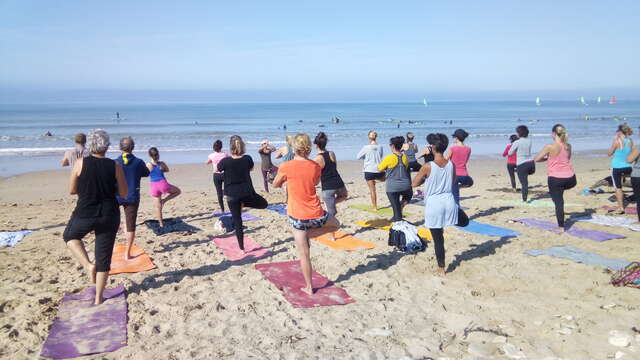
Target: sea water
184 132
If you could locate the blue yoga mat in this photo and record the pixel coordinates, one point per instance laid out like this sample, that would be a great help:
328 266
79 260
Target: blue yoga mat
488 230
580 256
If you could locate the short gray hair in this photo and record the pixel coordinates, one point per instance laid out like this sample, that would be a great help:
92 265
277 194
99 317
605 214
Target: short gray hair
127 144
98 141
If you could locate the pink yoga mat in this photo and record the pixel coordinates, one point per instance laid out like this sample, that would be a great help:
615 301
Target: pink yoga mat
628 210
287 277
230 248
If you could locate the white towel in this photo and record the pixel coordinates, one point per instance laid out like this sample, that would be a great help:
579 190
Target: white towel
11 238
619 221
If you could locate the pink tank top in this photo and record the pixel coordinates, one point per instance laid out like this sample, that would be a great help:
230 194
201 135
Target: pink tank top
559 166
459 157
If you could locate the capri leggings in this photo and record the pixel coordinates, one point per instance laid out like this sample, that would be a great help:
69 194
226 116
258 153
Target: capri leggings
396 203
105 228
511 169
218 181
524 170
635 183
438 245
557 186
235 206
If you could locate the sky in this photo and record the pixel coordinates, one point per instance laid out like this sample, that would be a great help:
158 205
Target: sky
325 47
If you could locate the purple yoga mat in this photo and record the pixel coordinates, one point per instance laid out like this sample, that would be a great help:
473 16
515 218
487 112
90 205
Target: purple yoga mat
245 216
82 328
594 235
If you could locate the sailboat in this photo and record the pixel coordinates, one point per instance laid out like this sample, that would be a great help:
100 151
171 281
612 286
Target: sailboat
424 101
582 101
538 103
599 99
613 100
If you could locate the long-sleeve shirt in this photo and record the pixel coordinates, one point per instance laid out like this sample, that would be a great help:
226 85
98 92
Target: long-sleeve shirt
522 148
372 155
511 159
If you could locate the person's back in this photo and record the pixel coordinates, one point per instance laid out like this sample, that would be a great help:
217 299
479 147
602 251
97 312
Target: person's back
303 202
156 174
372 155
619 158
411 151
559 165
522 148
397 175
215 158
97 188
460 156
330 178
440 181
237 178
134 170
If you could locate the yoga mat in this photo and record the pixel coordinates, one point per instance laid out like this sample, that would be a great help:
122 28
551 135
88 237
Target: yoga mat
81 328
287 277
580 256
227 224
138 262
594 235
384 224
488 230
11 238
230 248
170 225
631 210
534 203
245 216
615 221
279 208
381 211
344 241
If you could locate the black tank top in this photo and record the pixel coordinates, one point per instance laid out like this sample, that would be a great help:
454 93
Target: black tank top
329 177
97 186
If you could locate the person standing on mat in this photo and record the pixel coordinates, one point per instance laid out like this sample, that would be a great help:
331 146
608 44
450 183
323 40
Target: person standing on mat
213 159
238 187
333 188
411 149
511 161
266 165
459 155
525 165
398 177
305 213
620 167
561 176
634 160
372 155
79 152
134 170
96 180
158 183
440 208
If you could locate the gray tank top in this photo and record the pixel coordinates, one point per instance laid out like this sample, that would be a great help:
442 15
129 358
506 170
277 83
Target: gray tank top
398 178
411 152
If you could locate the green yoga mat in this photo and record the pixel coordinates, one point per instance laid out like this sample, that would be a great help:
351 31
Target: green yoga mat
534 203
381 211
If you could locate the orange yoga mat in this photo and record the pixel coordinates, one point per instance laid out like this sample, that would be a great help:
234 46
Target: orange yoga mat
386 225
139 261
344 241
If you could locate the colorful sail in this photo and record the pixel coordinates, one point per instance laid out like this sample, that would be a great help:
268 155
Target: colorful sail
613 100
424 101
582 100
599 99
538 101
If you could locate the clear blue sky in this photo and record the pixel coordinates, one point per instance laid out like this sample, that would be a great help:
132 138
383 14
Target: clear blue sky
403 46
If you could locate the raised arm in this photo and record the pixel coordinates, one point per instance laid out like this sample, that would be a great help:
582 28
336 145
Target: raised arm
614 146
163 166
361 154
543 154
424 172
514 147
65 159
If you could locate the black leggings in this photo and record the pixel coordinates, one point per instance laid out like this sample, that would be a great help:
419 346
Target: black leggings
396 204
235 206
557 186
218 180
511 169
438 245
524 170
635 184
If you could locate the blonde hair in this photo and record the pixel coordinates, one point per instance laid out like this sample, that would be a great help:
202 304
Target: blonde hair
561 132
302 145
236 145
289 140
625 129
372 135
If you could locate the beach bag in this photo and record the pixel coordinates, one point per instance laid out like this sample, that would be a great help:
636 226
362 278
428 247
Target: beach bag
404 236
629 276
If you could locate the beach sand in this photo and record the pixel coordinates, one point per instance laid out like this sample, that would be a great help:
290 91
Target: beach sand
494 302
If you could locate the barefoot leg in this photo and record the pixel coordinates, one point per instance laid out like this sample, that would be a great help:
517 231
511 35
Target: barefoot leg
372 191
159 203
302 243
131 235
101 282
80 253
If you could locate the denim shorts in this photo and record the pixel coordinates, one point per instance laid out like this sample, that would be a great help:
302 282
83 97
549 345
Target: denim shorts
305 225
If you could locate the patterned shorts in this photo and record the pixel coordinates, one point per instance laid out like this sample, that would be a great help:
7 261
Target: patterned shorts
305 225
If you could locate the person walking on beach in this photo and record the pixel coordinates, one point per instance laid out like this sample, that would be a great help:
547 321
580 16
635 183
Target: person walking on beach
96 180
560 173
372 155
238 187
159 184
511 161
620 167
410 150
440 208
634 160
525 165
305 213
459 155
266 165
398 177
134 170
79 151
333 188
213 159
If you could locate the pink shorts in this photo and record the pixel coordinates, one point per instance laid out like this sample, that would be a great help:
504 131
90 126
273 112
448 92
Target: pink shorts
160 187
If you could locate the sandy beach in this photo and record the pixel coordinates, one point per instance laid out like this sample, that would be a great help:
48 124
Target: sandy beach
495 301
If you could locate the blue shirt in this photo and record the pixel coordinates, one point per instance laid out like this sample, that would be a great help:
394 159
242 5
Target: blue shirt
156 173
134 170
619 158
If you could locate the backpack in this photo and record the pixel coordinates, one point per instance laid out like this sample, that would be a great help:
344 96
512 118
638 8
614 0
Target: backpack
404 236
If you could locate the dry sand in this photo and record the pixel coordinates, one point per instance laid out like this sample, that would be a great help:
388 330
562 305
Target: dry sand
494 302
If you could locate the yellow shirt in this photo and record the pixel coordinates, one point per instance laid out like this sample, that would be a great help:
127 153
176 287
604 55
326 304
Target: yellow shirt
391 160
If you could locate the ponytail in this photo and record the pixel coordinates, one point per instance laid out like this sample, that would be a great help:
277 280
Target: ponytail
561 132
154 153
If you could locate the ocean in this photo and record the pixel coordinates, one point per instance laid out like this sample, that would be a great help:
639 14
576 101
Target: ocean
184 132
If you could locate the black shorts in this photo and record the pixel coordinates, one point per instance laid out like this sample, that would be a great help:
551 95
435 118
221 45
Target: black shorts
105 228
464 180
414 166
616 176
374 176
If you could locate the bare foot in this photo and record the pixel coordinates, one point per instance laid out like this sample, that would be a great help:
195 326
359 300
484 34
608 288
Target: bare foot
440 272
332 236
307 290
560 229
91 270
98 301
127 255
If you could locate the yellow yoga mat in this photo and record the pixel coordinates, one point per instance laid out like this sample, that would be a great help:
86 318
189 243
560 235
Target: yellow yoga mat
384 224
381 211
344 241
